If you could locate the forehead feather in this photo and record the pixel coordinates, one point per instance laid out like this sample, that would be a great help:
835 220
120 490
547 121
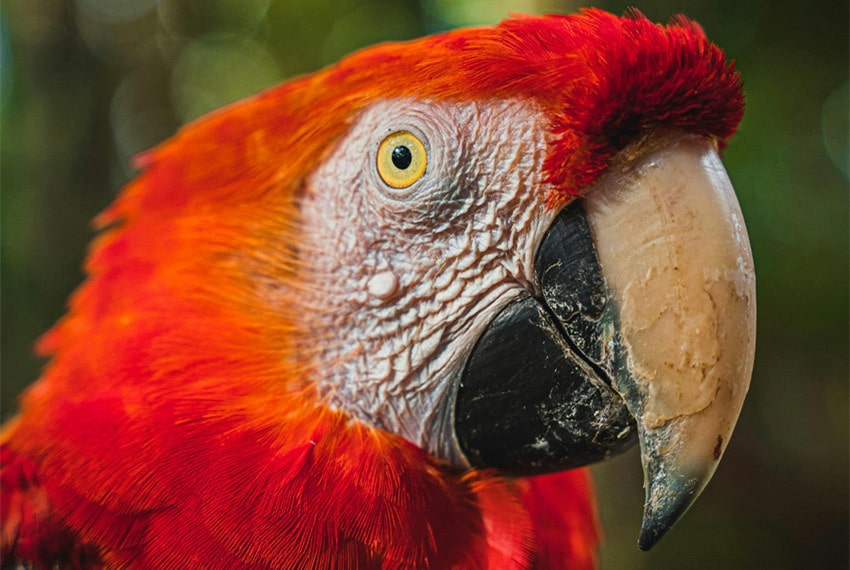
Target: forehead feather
601 79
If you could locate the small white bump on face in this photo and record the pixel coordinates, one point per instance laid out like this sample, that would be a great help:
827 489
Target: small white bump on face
383 285
405 282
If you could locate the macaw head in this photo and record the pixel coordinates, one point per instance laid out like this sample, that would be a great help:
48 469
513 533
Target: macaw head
515 247
524 252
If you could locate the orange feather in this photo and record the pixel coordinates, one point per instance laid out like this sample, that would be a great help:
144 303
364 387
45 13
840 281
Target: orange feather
176 424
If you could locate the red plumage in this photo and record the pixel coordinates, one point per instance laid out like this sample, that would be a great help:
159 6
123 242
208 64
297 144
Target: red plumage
176 424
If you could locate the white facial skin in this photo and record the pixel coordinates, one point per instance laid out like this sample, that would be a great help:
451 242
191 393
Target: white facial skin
401 282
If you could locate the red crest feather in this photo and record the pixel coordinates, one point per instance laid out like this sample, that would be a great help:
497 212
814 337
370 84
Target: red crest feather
176 425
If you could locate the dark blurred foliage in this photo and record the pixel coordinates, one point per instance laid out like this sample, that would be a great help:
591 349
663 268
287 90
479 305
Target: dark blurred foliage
86 84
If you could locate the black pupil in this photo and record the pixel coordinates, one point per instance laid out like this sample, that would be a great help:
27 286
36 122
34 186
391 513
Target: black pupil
402 157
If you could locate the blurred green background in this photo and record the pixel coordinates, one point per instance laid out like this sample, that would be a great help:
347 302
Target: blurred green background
86 84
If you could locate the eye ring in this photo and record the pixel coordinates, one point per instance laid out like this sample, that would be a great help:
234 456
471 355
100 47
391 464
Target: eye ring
402 159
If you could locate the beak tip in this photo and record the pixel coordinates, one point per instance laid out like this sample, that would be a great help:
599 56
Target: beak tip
652 531
660 514
647 539
654 527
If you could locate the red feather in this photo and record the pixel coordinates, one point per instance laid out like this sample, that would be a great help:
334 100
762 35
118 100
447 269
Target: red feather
176 425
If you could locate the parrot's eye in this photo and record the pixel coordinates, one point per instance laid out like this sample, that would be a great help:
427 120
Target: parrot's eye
402 159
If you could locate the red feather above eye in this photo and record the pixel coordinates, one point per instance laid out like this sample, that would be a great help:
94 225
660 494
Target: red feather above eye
603 78
176 425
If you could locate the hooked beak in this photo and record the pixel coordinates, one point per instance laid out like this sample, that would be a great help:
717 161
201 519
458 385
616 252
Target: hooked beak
642 322
678 265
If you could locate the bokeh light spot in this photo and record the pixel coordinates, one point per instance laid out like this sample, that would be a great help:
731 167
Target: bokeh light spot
198 17
212 72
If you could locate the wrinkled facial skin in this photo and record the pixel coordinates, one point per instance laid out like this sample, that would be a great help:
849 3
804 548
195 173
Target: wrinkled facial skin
403 281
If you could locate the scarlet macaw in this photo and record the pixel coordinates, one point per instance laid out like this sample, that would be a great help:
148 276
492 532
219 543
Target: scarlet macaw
372 317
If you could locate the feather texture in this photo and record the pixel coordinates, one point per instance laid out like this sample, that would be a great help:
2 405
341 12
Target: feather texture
175 424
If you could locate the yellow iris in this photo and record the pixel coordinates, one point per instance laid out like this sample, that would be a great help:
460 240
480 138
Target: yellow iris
402 159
